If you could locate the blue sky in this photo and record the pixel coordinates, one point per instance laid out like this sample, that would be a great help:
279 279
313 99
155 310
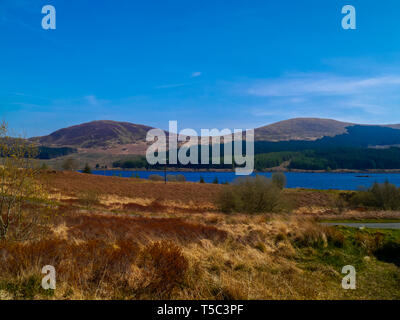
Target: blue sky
210 63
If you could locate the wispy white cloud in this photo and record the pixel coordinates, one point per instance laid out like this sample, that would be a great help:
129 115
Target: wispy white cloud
196 74
182 84
93 101
370 99
172 85
320 84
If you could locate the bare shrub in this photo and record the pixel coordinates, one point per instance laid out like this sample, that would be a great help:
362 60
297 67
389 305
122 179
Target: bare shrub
340 203
156 177
24 204
279 179
227 200
171 178
251 194
384 196
180 178
89 198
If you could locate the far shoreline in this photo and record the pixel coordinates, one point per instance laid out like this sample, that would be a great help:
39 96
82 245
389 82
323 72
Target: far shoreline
366 172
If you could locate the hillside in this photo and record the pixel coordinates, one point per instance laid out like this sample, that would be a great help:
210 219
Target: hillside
123 138
111 134
307 129
96 134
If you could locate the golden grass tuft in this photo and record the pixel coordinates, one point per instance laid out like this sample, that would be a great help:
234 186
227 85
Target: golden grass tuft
151 241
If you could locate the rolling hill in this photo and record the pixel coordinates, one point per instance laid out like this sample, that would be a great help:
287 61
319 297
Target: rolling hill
302 143
307 129
109 134
96 134
127 138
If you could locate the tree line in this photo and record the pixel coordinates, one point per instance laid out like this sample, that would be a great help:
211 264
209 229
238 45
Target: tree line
317 159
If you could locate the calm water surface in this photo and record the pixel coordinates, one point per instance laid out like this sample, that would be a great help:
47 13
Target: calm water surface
340 181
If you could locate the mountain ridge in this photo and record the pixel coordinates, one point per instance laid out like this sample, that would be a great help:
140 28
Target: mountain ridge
95 134
307 129
124 137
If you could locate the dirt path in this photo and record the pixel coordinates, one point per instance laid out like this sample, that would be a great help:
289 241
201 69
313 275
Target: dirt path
394 225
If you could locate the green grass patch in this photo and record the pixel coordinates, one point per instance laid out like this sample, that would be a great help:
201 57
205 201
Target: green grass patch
28 288
374 253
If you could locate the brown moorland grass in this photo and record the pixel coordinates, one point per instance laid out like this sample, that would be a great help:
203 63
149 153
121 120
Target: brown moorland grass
307 198
73 184
105 256
160 206
138 229
100 254
129 194
93 269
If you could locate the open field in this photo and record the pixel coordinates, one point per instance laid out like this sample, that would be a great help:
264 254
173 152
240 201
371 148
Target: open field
126 238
